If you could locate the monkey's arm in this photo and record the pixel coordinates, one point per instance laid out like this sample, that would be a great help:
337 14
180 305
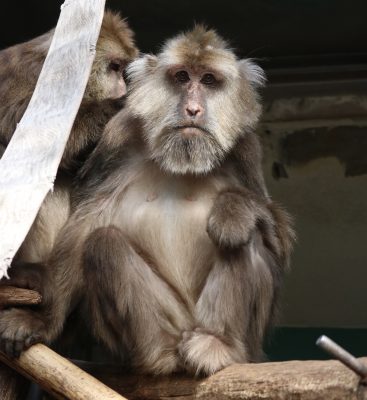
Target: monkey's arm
274 223
109 155
87 130
246 159
11 112
60 284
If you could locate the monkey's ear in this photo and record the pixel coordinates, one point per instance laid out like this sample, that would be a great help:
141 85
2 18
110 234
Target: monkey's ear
144 64
253 73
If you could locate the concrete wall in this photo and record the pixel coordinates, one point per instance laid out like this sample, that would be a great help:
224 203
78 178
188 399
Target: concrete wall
315 162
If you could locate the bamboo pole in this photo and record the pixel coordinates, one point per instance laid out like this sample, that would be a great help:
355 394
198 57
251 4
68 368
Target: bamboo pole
58 376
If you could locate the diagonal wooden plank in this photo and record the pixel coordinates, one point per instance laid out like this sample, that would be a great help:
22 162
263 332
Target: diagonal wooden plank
29 164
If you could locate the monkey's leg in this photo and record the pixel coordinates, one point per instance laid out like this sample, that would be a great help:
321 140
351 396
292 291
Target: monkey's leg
235 305
222 318
232 312
130 305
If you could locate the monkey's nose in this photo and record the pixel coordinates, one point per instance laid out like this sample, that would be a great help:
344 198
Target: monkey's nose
194 110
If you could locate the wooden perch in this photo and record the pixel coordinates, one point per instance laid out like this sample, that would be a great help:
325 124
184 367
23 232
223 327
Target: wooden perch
58 376
13 296
29 164
290 380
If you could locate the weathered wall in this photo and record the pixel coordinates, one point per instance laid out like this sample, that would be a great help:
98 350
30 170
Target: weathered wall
315 163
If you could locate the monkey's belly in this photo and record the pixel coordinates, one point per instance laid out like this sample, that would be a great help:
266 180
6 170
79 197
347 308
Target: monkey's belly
170 228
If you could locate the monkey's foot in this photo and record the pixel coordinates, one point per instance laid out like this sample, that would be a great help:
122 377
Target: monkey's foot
159 363
19 330
205 353
231 220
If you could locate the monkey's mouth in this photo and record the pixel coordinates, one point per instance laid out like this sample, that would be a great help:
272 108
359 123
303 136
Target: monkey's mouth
190 131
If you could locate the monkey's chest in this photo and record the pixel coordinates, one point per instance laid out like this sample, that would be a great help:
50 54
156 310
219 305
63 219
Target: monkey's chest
167 223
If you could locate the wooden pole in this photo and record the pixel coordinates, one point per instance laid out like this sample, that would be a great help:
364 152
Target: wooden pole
13 296
58 376
29 165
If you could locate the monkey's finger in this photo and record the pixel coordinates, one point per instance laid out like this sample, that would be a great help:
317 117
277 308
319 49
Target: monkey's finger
9 347
31 340
2 345
18 348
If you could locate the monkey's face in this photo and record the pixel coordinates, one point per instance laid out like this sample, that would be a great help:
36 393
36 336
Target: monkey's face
115 49
106 80
193 106
186 138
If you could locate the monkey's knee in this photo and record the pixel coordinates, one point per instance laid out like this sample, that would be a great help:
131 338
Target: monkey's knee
105 235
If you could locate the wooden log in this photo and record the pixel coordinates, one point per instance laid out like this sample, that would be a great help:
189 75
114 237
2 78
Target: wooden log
13 296
290 380
12 385
29 164
58 376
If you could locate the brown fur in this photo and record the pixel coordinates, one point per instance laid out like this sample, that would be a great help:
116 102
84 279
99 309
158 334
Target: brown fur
178 260
20 66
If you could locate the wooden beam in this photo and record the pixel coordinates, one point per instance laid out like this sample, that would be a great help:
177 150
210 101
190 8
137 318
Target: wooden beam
29 164
13 296
301 380
298 380
58 376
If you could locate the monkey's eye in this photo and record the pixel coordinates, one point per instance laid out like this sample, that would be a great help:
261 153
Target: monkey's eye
208 79
182 76
115 66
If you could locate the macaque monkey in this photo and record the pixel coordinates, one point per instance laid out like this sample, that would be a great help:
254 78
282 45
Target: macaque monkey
20 67
175 249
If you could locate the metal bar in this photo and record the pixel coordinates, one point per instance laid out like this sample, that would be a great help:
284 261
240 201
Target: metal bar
342 355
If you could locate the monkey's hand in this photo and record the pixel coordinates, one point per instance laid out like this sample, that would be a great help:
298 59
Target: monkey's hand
26 276
233 218
19 330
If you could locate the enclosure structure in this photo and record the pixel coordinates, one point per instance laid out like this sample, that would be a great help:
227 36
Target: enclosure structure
20 199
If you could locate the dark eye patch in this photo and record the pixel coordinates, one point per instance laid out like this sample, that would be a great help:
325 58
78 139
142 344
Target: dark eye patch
117 65
182 76
114 66
208 79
